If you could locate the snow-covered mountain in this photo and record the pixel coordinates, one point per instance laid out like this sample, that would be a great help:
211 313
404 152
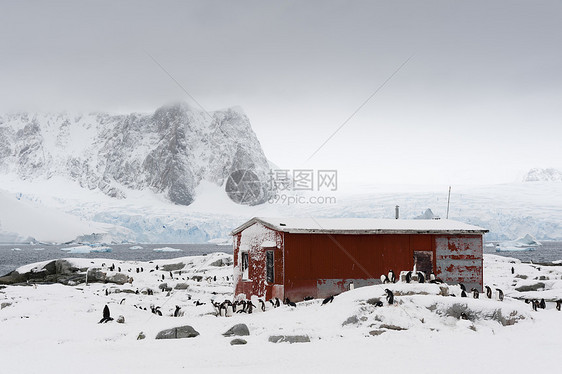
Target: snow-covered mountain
170 151
543 175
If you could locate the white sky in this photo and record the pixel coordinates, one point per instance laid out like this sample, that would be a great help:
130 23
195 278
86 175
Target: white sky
480 101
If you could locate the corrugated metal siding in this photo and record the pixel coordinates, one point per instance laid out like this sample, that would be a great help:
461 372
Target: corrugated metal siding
459 260
315 263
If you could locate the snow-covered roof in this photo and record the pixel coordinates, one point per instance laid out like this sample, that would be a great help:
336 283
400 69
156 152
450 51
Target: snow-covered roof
363 226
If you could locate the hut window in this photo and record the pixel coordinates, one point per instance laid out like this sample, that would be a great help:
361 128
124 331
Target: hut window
269 267
245 265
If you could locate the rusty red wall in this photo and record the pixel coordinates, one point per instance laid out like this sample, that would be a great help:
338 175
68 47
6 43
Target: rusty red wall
252 239
319 265
459 259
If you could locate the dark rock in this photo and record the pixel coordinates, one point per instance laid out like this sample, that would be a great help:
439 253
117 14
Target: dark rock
530 287
351 321
163 286
238 342
172 267
521 276
289 338
181 286
374 300
391 327
141 336
120 319
376 332
178 333
221 262
5 305
238 330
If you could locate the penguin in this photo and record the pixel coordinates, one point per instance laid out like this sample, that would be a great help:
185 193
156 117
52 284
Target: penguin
290 303
384 279
421 278
177 311
138 270
542 304
512 270
262 304
389 296
463 293
391 276
250 307
462 287
272 302
162 276
379 303
535 304
308 298
488 292
156 267
106 292
327 300
106 315
464 316
500 294
431 276
119 269
277 302
475 293
558 304
122 301
215 278
408 277
171 275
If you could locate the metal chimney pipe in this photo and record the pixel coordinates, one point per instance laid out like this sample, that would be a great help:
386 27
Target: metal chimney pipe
397 212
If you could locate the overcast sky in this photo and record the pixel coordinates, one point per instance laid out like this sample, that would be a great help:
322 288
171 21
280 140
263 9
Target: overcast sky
480 101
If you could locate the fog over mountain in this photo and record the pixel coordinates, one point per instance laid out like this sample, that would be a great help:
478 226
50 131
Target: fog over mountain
169 151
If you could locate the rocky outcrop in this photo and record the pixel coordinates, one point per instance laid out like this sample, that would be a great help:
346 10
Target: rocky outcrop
62 271
238 330
289 339
178 333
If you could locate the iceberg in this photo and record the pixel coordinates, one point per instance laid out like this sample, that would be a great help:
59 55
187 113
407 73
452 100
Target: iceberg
167 249
87 249
526 243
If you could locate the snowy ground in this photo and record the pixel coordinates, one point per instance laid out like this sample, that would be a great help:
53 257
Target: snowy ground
50 328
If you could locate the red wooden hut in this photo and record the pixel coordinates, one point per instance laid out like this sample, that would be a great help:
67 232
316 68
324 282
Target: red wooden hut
299 257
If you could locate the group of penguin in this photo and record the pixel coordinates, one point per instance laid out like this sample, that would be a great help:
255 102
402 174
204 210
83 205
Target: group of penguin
391 277
227 307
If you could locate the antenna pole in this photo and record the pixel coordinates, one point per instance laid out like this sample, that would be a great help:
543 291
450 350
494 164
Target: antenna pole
448 202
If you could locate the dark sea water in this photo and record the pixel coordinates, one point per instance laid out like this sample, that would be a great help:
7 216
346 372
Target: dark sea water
547 252
11 259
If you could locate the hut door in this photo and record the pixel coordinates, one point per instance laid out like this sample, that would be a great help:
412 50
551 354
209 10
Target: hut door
423 261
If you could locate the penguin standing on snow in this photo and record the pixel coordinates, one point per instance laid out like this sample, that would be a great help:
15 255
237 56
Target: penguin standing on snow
512 270
432 276
500 294
421 278
408 277
177 311
262 304
106 315
389 296
488 292
558 304
542 304
391 276
384 279
475 293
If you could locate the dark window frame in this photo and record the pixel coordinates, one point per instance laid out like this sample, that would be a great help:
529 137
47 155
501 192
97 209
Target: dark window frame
270 266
